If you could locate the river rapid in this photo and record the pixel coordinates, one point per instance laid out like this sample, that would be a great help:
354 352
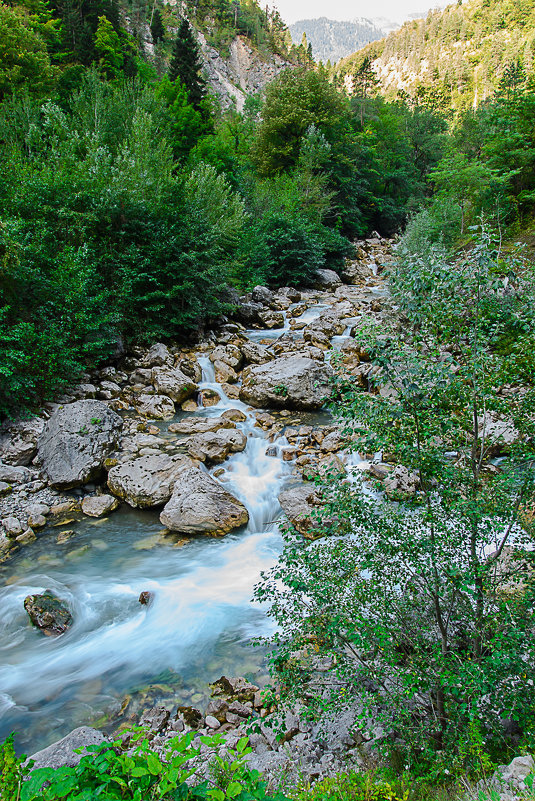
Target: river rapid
119 656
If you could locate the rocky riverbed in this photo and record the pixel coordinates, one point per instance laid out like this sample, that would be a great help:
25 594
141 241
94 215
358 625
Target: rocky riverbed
187 455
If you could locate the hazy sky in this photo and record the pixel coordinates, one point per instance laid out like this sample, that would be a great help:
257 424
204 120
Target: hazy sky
396 10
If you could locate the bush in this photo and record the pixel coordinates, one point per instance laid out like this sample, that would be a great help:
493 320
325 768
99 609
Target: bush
110 774
286 251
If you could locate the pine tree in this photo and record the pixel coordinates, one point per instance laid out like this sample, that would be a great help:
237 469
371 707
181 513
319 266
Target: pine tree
157 29
186 64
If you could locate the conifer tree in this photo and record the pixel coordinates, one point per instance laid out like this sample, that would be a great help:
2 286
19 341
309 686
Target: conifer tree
157 29
186 64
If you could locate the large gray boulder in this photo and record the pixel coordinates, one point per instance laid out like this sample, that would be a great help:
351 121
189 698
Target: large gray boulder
214 446
62 752
76 440
173 383
156 407
290 382
200 505
326 279
148 480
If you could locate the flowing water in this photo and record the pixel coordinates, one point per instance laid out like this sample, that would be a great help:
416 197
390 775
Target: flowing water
118 653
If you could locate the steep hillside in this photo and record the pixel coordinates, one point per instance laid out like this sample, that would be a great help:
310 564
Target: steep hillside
332 39
456 57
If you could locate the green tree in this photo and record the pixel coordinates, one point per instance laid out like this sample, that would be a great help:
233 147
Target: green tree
157 29
186 64
24 61
421 601
108 48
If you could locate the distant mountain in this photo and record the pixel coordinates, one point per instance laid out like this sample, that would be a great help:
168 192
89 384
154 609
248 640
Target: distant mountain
331 39
455 57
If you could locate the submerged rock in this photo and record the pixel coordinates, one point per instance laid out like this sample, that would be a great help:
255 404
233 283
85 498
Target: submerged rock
48 613
200 505
290 382
76 441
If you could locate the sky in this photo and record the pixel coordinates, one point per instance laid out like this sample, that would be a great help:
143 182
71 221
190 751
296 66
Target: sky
395 10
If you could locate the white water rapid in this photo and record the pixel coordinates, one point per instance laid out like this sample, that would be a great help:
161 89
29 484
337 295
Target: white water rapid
198 626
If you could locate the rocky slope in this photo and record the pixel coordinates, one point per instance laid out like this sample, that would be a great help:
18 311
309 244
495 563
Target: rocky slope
332 39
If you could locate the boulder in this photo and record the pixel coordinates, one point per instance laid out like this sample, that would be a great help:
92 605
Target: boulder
401 483
157 407
228 354
76 441
148 480
14 475
99 505
261 294
272 319
214 446
290 382
48 613
201 425
498 434
63 752
300 505
12 527
200 505
156 719
157 356
326 279
254 353
247 313
18 440
173 383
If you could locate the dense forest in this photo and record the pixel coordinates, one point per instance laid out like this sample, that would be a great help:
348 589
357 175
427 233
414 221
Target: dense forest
454 58
134 210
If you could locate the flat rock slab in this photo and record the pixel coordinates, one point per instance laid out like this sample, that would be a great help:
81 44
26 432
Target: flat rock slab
76 440
289 382
62 752
200 425
200 505
148 480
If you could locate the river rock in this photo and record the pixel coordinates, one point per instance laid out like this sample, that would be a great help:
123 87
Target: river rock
99 505
498 434
272 319
261 294
63 752
48 613
228 354
200 505
326 279
236 415
401 483
76 440
254 353
157 407
290 382
158 356
18 440
214 447
173 383
248 313
201 425
12 526
300 505
14 475
148 480
209 397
